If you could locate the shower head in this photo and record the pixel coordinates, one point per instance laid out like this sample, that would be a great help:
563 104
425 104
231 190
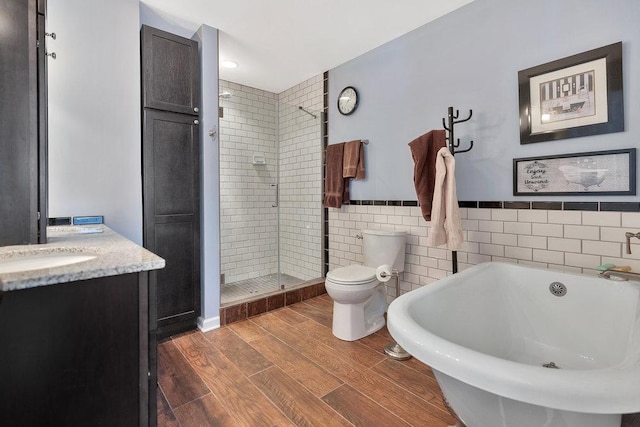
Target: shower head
301 108
225 95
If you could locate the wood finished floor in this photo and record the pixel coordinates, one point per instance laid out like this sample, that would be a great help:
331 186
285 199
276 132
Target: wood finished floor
285 368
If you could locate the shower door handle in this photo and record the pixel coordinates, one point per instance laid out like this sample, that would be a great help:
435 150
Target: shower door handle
275 205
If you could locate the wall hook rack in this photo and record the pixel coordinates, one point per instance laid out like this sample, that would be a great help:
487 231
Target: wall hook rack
452 145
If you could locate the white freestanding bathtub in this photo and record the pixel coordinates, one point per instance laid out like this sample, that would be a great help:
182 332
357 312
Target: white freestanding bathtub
487 332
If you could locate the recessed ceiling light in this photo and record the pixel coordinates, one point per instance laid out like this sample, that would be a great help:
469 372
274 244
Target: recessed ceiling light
228 64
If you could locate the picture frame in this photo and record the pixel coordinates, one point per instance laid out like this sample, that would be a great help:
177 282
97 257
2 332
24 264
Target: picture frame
575 96
611 172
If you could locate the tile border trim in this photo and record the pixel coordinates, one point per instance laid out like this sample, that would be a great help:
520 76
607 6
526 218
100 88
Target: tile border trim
325 141
242 311
517 204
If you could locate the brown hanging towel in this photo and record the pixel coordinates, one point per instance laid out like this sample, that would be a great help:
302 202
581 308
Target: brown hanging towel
424 150
334 181
352 165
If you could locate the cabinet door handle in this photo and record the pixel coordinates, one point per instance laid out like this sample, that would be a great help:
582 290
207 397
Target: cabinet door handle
196 122
196 109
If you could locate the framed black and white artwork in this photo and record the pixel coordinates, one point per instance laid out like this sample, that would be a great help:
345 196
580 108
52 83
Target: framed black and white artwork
575 96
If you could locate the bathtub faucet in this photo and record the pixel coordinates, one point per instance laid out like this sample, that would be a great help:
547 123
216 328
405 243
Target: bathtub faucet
629 235
620 275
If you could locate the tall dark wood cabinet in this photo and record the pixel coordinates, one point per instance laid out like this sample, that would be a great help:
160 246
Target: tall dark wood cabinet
23 122
171 174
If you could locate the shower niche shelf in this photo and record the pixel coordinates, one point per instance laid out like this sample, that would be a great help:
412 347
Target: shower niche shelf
259 160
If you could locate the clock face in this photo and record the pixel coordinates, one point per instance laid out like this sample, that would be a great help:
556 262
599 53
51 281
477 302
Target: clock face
348 100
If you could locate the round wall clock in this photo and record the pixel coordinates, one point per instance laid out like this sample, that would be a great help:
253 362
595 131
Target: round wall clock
348 100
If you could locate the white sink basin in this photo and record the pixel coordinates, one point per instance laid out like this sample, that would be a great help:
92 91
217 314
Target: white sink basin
36 260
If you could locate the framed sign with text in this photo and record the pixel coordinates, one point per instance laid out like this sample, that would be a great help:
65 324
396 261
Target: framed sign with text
610 172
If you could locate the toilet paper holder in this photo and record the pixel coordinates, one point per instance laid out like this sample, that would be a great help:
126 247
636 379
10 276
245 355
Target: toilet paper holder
384 273
394 274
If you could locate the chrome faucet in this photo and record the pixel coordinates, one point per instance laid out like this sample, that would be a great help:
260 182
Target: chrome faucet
629 235
620 275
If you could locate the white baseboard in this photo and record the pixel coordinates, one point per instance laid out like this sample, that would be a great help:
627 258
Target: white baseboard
208 324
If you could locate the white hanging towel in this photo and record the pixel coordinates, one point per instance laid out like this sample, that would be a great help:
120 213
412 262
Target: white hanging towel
446 226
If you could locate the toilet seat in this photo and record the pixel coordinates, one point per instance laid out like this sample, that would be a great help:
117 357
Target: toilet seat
352 275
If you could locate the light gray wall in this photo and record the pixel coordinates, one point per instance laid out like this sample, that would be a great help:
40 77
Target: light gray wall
470 59
207 38
94 123
165 22
94 112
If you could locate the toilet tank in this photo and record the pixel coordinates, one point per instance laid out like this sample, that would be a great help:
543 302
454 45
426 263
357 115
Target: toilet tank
384 247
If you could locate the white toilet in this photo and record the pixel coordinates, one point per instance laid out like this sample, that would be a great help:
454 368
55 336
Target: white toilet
359 299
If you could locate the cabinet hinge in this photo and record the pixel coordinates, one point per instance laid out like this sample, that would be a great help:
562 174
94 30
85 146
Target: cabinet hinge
38 215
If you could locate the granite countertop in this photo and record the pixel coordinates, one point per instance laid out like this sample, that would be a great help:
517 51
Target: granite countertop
107 254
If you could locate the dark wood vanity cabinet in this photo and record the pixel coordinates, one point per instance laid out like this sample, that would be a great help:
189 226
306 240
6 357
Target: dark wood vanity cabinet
23 122
171 174
78 354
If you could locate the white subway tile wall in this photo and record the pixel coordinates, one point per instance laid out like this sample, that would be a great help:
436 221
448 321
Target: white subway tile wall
253 121
573 241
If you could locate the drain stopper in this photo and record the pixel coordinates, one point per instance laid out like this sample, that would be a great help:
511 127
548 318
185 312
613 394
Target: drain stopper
558 289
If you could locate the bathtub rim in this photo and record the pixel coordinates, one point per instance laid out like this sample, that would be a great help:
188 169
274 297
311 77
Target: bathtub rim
578 390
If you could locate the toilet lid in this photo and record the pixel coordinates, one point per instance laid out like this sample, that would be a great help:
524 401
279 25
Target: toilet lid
352 275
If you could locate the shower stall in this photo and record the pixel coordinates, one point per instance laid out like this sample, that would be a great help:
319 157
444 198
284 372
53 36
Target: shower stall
270 193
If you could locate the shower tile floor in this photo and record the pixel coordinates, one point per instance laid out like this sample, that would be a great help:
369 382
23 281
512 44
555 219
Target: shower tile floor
258 286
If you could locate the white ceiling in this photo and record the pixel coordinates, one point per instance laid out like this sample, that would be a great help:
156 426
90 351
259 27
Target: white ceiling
280 43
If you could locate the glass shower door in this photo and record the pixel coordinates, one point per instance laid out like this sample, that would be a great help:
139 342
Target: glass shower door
270 196
249 237
300 178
